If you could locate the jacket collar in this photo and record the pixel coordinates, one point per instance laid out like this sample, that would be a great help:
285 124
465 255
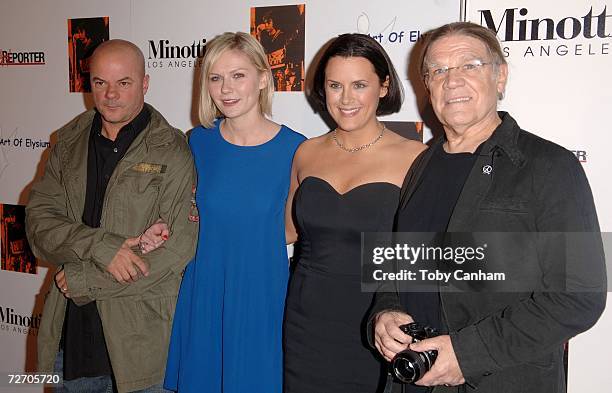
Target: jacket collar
505 137
154 133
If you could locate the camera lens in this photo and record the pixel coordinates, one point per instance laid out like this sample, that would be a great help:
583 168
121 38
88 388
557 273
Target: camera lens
409 366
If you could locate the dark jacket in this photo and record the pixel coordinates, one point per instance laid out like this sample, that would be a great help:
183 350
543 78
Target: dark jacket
513 341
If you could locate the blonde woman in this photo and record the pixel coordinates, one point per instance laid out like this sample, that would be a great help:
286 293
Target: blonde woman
228 324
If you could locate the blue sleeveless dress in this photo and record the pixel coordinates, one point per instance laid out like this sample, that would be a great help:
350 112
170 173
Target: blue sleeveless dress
227 332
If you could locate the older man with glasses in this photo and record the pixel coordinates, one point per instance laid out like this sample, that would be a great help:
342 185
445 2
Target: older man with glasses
487 175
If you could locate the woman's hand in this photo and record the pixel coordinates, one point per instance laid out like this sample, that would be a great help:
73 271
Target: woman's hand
152 238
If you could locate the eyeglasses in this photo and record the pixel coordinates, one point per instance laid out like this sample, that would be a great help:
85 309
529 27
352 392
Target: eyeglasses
471 68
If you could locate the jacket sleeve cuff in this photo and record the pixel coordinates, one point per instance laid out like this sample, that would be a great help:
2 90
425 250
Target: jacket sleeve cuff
383 301
371 324
473 356
104 251
77 284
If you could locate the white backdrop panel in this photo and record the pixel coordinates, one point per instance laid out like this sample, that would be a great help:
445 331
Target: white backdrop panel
192 20
20 296
36 100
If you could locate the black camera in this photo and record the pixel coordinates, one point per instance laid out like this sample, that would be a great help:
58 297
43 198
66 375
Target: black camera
409 366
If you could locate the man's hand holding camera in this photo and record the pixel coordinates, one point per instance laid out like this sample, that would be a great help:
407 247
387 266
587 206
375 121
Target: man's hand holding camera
445 370
388 337
429 355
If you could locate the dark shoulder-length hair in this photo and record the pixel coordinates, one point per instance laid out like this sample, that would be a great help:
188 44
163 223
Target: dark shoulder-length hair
361 45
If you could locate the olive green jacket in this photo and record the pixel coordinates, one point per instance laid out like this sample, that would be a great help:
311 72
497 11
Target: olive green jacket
153 180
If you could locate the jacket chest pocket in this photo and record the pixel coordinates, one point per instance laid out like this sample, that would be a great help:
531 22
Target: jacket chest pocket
505 204
141 200
510 190
504 215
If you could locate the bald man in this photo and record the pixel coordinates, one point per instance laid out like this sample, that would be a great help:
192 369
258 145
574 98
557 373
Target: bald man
114 172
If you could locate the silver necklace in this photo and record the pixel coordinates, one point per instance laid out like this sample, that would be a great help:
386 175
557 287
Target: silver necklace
356 149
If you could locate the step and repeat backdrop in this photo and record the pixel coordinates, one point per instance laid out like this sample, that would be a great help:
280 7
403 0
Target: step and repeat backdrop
558 53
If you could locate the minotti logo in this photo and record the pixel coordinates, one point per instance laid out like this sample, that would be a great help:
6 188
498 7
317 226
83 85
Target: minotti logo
163 49
515 25
163 53
547 36
19 323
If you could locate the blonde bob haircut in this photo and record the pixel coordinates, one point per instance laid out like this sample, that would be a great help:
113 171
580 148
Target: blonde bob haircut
246 44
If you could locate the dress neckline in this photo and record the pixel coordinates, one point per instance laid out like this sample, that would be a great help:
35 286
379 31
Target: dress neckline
225 141
359 186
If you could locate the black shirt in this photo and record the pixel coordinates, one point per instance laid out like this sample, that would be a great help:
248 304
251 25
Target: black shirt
429 210
85 353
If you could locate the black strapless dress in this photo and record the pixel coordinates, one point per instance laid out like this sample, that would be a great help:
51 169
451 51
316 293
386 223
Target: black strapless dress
326 349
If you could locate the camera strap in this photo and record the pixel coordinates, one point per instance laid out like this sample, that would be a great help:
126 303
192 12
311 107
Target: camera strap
389 384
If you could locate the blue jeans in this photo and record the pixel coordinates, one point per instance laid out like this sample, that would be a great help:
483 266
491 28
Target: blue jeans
101 384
